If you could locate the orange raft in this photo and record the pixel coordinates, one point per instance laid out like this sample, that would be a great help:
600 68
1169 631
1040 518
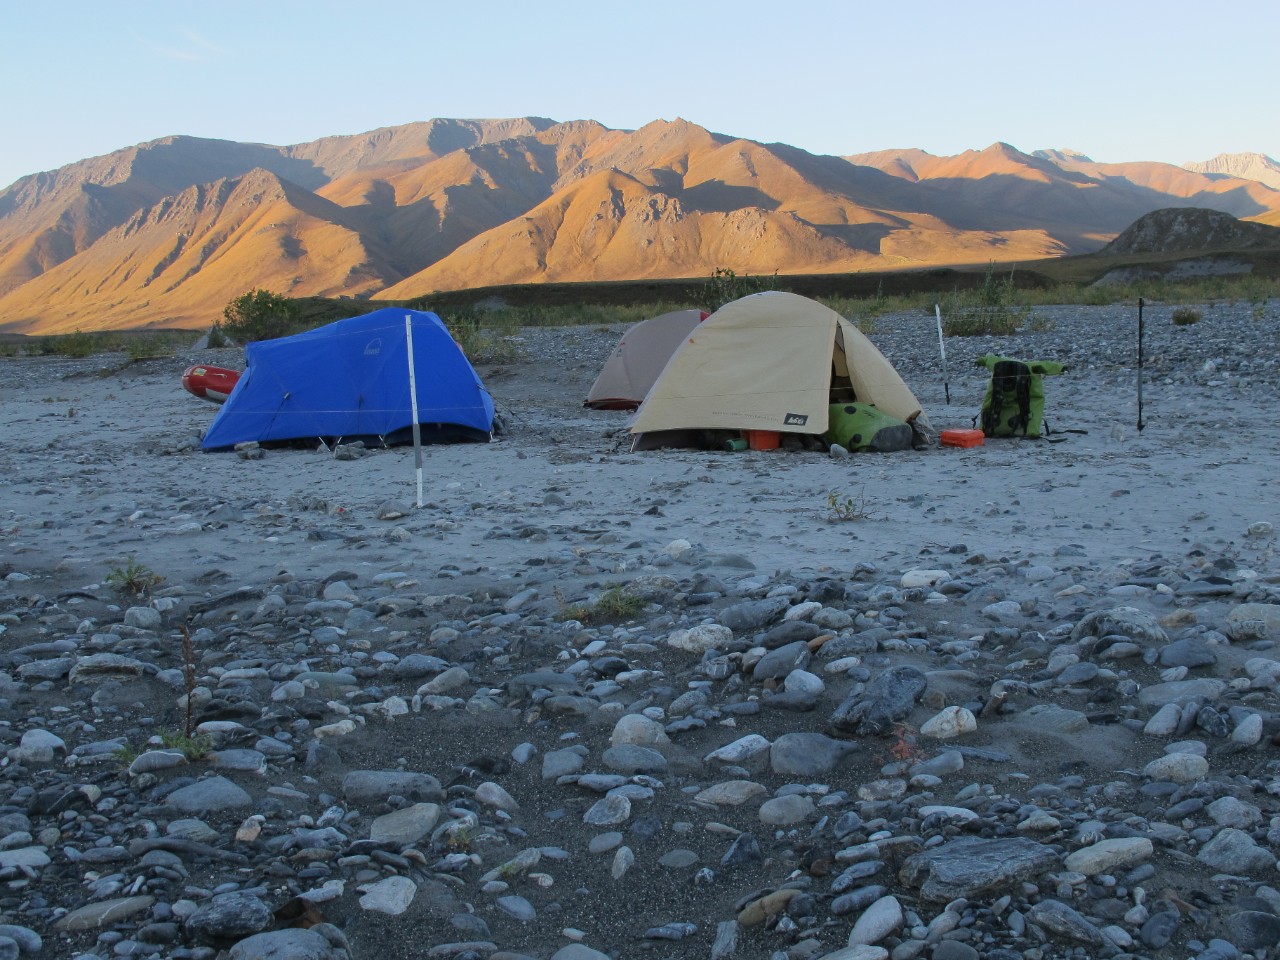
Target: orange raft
209 383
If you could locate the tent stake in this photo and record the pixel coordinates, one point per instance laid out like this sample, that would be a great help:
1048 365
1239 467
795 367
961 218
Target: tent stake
1140 332
942 349
413 404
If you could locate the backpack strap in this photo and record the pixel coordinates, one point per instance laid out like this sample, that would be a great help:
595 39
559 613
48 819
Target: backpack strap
1010 381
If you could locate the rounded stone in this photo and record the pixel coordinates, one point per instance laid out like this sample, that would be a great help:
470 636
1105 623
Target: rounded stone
785 810
1177 767
949 723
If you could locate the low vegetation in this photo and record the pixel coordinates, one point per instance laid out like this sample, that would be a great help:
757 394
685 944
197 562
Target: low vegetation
725 286
842 508
1001 301
149 346
133 579
1185 316
192 747
614 605
261 315
217 338
483 338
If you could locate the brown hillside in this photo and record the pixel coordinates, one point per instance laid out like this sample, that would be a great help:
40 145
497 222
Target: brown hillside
1181 230
171 262
168 232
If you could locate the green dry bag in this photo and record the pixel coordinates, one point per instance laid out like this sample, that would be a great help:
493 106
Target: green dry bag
860 426
1013 405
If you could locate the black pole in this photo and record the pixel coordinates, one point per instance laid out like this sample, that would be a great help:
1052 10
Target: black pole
1140 332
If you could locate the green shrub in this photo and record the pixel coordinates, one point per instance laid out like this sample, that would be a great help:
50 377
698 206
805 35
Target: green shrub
78 344
725 286
1185 316
978 323
484 335
134 579
992 309
216 339
192 747
148 347
260 315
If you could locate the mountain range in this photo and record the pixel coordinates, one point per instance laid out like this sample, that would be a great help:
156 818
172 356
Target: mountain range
167 232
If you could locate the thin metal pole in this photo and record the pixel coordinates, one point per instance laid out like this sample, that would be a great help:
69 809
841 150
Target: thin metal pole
1141 330
942 349
413 404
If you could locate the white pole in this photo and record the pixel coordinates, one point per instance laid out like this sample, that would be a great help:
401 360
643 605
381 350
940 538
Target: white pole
413 404
942 349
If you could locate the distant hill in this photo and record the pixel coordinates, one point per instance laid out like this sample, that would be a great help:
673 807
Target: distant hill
1243 166
1192 231
167 232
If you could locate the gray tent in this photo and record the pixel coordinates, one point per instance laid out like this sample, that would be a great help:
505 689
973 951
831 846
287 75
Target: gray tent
638 359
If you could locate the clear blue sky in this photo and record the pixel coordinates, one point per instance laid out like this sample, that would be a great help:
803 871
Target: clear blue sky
1120 80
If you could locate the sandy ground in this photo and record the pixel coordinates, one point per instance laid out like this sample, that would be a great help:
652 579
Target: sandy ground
97 463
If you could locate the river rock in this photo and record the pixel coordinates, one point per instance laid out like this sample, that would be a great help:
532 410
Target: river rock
975 866
888 698
1128 622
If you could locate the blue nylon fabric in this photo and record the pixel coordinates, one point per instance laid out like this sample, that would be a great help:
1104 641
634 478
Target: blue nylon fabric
351 379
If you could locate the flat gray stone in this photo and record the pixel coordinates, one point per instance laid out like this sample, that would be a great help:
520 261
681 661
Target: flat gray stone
229 916
363 786
391 896
1234 851
1181 692
1056 917
103 913
406 825
1108 856
309 944
1129 622
210 795
976 866
807 755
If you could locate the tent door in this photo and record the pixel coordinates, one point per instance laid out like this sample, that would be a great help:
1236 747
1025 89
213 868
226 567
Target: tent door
841 386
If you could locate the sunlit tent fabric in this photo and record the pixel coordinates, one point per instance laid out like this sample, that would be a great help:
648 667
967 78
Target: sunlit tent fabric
350 380
770 361
638 359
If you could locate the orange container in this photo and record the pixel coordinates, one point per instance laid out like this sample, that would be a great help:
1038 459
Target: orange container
763 439
960 438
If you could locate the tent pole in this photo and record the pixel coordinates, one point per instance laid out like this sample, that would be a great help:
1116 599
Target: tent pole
942 349
1140 332
413 404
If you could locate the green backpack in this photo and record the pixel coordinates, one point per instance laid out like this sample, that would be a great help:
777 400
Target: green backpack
1013 405
860 426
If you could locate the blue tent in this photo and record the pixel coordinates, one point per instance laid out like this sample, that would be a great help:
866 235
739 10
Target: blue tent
350 380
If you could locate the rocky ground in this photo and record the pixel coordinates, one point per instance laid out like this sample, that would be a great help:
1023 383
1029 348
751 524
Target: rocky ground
1020 701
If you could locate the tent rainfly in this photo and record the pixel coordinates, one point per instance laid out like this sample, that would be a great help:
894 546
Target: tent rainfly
350 380
771 361
638 359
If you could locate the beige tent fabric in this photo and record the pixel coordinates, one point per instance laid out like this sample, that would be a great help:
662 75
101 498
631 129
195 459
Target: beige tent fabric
638 359
873 377
764 363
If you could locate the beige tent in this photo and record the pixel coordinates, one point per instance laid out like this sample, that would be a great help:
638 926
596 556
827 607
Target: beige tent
638 359
770 361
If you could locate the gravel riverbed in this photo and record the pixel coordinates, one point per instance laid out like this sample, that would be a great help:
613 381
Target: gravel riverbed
1022 705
